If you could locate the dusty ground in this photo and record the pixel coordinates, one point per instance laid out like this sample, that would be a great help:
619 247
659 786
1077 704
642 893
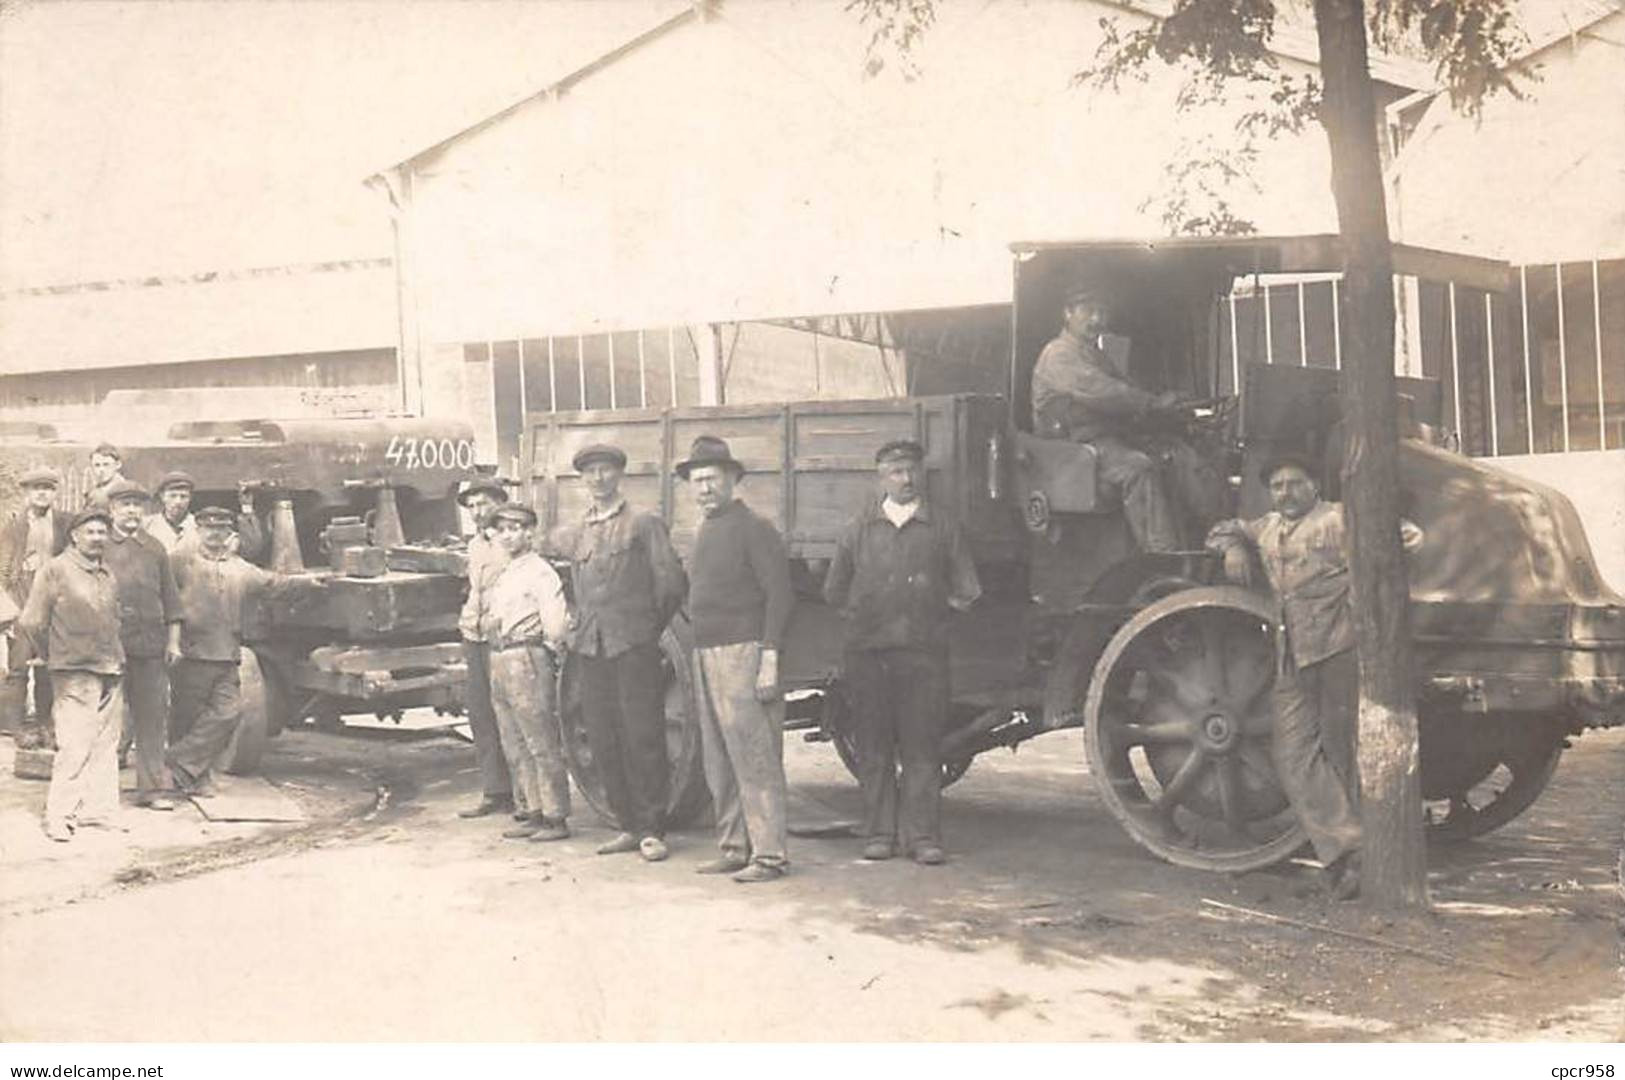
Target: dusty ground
385 917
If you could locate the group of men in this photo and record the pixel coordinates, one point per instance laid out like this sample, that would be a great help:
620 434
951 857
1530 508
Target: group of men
128 619
899 573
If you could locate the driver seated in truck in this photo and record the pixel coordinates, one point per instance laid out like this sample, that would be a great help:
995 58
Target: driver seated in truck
1302 544
174 526
1077 394
214 584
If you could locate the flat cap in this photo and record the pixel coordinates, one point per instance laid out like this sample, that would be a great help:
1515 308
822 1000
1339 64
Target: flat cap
125 489
215 515
598 452
175 478
900 449
514 512
93 512
488 484
40 476
1082 292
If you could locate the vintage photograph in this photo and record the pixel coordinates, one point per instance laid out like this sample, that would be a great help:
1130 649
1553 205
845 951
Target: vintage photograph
811 521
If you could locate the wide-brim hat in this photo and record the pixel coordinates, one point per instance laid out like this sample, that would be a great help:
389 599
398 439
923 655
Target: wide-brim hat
488 484
40 476
124 489
95 512
514 512
177 478
897 449
598 452
215 515
1284 458
708 450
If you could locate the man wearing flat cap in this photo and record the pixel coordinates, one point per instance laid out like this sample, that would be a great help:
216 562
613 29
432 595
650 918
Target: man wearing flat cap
149 627
480 496
72 621
900 571
1078 395
34 535
174 527
524 625
1302 544
739 601
628 584
214 584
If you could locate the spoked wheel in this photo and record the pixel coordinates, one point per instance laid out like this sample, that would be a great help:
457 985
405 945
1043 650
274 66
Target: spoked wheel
1478 773
844 735
688 796
1177 728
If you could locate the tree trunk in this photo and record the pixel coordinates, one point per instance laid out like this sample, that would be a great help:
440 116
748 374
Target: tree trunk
1394 873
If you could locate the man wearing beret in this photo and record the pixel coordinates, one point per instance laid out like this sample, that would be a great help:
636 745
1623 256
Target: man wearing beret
149 627
214 584
480 496
1078 395
72 620
900 570
1302 544
628 584
739 600
524 624
30 538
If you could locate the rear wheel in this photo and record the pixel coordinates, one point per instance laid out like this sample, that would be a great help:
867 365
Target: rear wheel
1478 773
689 797
844 735
1177 728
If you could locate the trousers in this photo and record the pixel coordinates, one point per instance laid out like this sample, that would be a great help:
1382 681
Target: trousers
899 704
206 704
524 693
623 704
14 698
89 713
146 712
1146 502
1316 709
742 744
482 723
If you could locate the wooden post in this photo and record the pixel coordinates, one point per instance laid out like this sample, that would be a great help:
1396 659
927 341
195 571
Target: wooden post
1394 871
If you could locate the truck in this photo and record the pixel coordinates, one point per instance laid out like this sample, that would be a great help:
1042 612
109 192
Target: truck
361 512
1519 642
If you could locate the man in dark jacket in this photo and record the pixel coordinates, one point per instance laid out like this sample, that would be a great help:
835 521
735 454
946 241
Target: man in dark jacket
739 600
628 584
899 571
31 537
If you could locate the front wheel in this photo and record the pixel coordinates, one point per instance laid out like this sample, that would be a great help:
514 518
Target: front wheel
688 796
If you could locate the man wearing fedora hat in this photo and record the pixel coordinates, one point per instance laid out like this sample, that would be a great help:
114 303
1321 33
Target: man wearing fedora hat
900 570
214 584
739 602
524 624
1077 394
149 627
1302 546
479 497
72 620
628 584
30 538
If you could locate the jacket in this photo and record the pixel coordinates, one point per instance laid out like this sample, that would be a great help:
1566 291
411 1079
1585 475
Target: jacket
16 578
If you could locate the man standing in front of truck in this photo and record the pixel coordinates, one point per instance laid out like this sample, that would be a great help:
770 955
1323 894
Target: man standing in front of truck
628 584
900 570
35 535
480 496
740 601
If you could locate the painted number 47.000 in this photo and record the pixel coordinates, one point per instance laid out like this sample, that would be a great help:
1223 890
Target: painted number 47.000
413 453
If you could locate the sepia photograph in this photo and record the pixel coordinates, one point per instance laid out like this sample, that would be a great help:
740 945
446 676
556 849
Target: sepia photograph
588 524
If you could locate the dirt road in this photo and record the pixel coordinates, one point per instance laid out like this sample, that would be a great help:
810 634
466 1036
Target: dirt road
385 917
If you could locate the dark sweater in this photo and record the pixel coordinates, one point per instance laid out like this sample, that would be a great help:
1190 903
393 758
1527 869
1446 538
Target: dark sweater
739 580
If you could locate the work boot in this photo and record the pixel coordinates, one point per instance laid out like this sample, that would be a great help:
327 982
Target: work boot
653 849
727 864
623 842
930 855
1343 876
155 802
525 829
878 849
551 829
60 831
757 871
490 804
